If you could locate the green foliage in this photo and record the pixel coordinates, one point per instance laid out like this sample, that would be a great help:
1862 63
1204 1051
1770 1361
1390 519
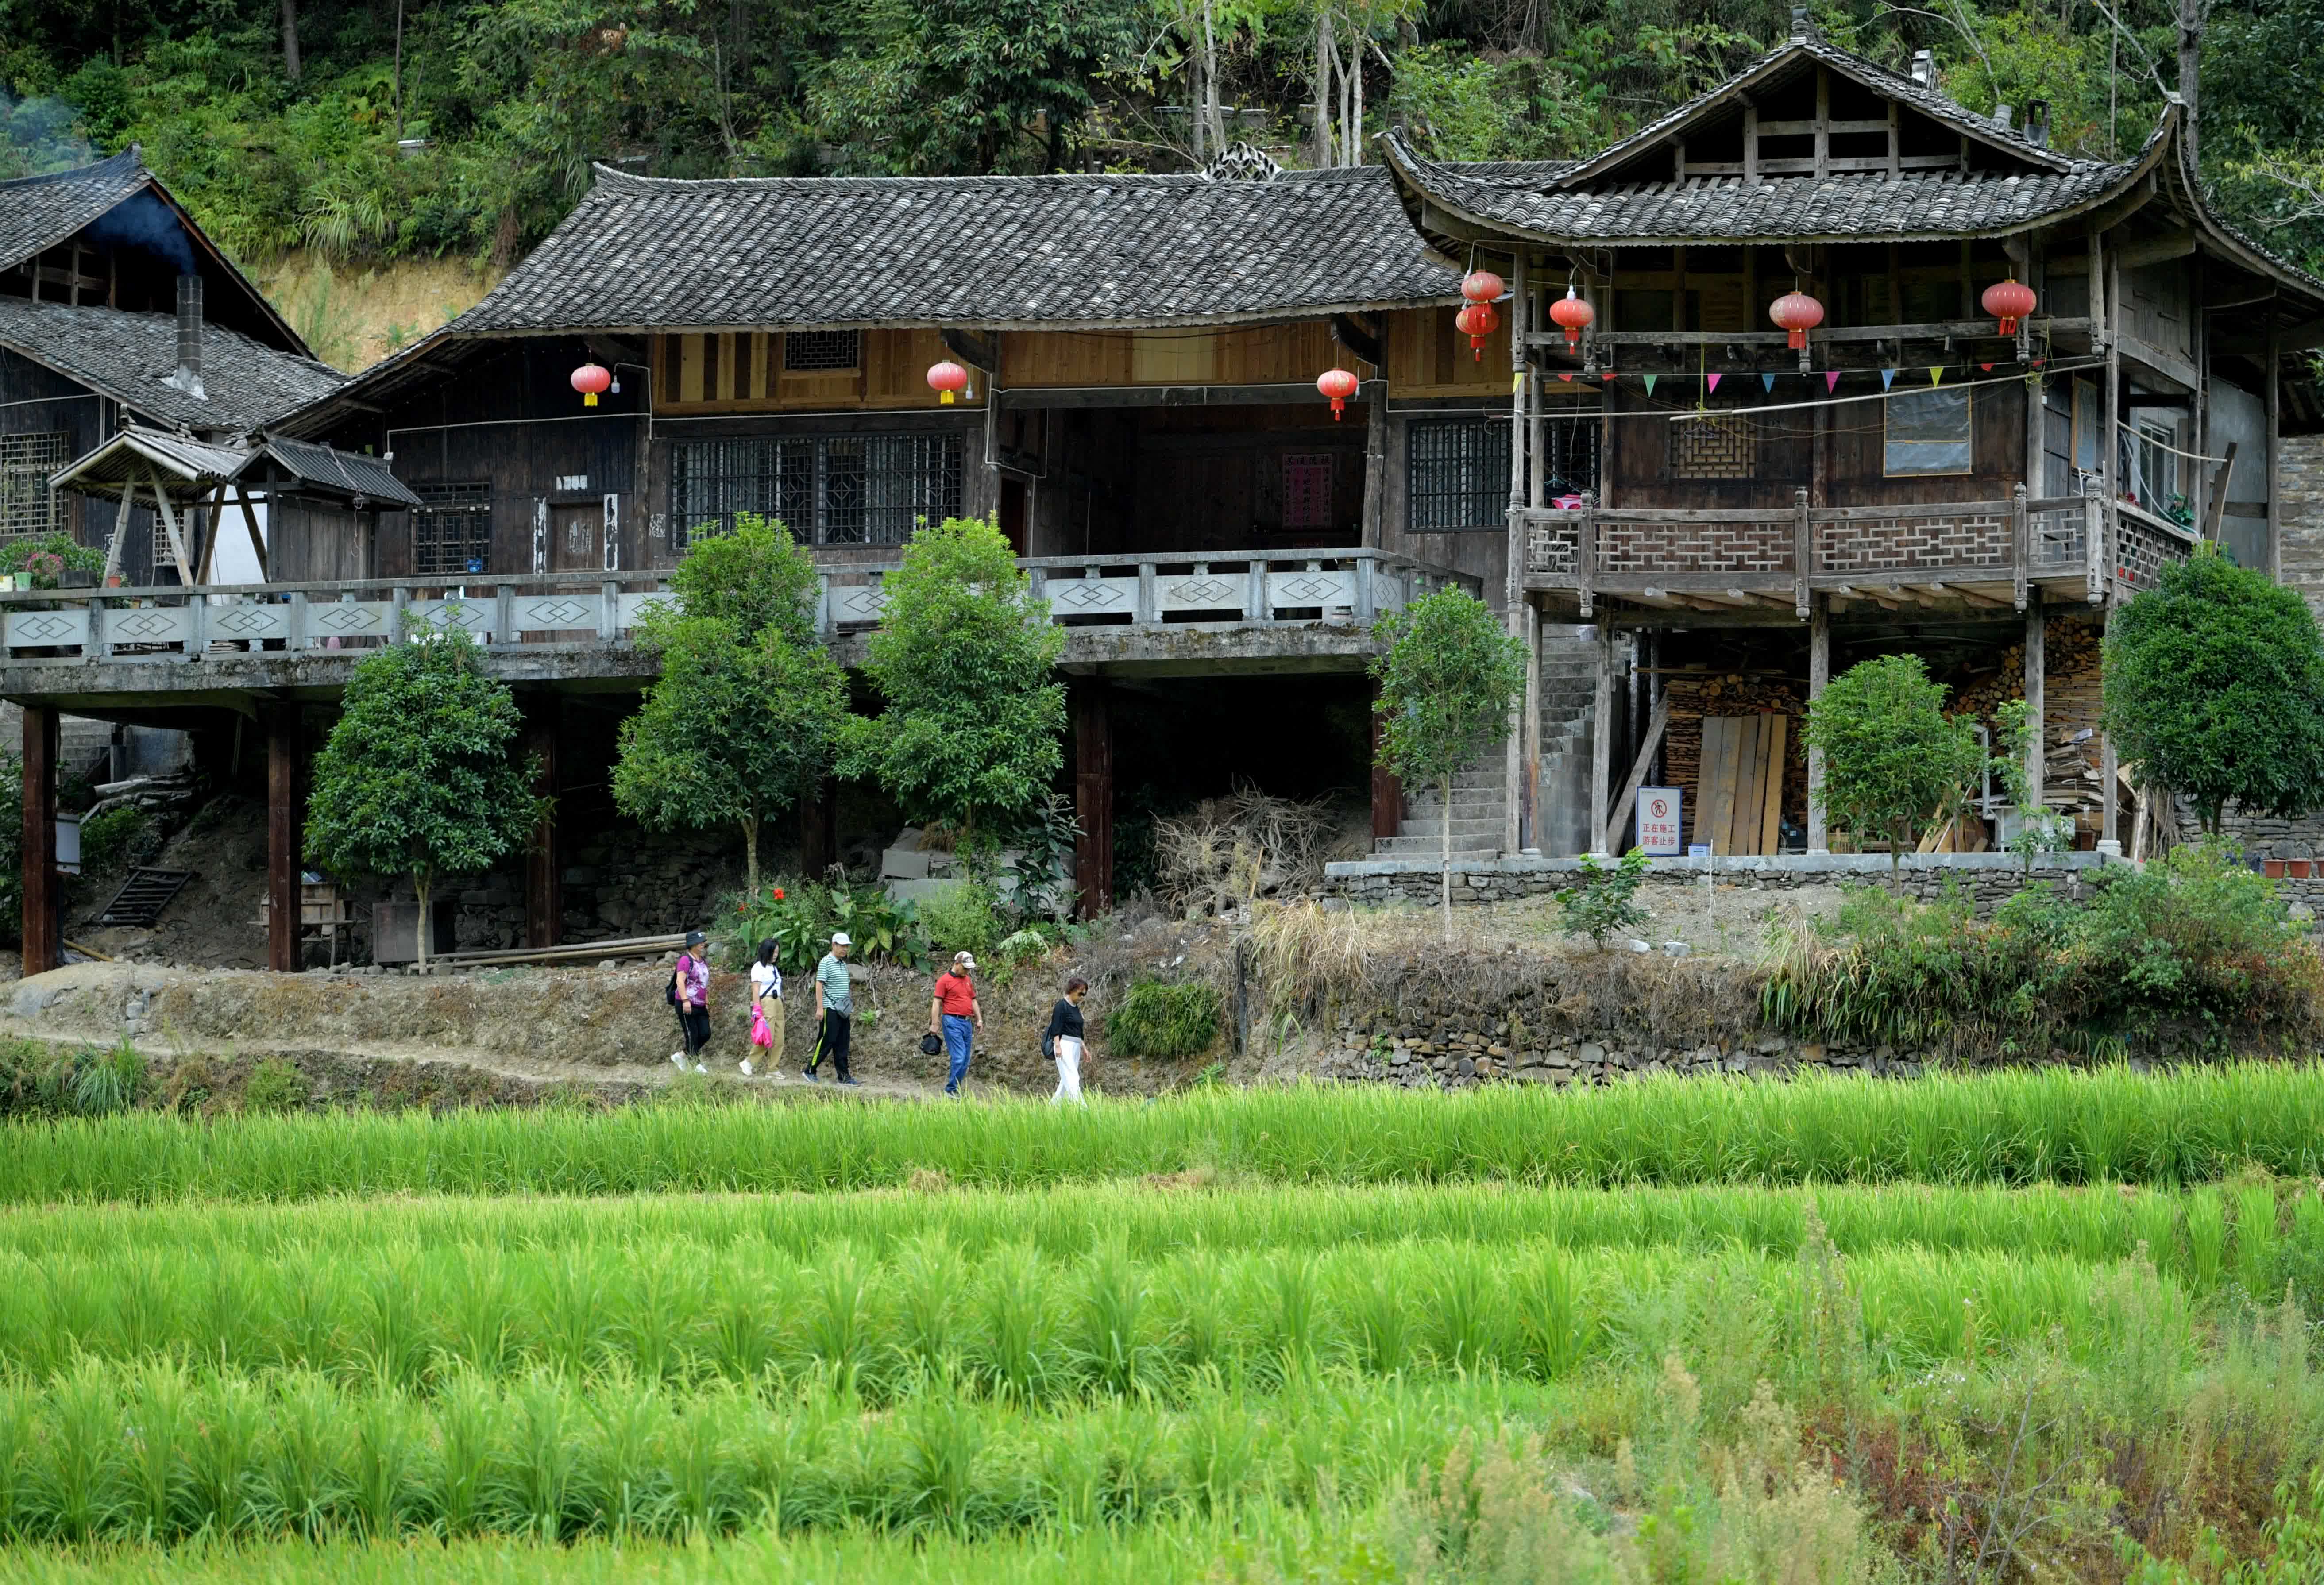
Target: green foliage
37 1080
964 917
802 917
1156 1019
2194 949
40 558
11 845
122 835
964 658
276 1086
2215 688
1895 764
743 718
2040 830
416 778
1604 901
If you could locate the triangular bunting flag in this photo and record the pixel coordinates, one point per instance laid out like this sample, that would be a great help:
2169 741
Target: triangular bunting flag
1887 378
1516 385
1650 383
1566 376
1606 376
1831 380
1936 375
1766 382
1986 367
1712 381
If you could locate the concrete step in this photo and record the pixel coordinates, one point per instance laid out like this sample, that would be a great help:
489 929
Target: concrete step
1412 847
1465 833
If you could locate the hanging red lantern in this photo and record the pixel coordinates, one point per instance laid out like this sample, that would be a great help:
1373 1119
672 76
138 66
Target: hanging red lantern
2009 301
1476 322
590 379
1575 314
946 378
1798 313
1481 286
1338 384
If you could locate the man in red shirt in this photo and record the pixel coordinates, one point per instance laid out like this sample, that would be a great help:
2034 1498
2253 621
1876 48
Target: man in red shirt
954 1015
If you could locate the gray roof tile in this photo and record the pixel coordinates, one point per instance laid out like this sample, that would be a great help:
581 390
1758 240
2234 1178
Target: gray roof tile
642 252
129 357
38 212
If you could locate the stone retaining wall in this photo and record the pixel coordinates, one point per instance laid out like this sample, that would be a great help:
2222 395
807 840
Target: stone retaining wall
1462 1059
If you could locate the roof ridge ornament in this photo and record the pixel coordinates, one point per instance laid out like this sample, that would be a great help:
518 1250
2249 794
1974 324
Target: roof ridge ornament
1241 161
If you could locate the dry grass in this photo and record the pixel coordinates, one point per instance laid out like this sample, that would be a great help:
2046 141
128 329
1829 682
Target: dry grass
354 319
1245 845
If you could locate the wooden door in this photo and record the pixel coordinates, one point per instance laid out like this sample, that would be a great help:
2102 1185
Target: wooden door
576 539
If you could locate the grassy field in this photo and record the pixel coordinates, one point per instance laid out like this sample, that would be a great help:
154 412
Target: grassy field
1997 1329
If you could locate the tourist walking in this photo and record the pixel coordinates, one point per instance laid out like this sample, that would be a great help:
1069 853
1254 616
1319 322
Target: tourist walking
834 1011
766 1008
1063 1044
690 992
954 1014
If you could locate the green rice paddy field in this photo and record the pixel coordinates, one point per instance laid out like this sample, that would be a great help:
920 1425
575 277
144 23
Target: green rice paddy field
2016 1327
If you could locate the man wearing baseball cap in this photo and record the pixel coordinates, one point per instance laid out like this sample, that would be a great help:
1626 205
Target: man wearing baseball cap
954 1014
835 1010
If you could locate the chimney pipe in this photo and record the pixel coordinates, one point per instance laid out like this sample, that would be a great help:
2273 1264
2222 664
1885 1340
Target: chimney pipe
1925 68
188 375
2004 116
1801 28
2037 122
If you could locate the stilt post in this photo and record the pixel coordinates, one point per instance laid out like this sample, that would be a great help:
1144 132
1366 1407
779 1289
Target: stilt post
40 840
544 896
1818 678
285 818
1093 796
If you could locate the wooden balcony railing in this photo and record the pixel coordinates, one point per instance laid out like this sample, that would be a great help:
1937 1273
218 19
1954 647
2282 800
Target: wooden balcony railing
172 623
1978 551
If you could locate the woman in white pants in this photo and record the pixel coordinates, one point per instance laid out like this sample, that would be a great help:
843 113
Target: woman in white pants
1062 1043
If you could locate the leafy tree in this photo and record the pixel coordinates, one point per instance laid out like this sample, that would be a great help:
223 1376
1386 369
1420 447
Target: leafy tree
416 778
964 658
746 713
1894 763
1448 678
2215 688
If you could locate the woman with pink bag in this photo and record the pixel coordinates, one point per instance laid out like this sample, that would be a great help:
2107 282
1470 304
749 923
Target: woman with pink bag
766 1008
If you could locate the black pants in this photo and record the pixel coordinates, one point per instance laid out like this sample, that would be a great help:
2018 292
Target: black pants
831 1041
695 1022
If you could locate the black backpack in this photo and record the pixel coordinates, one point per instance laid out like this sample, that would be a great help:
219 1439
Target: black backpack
669 992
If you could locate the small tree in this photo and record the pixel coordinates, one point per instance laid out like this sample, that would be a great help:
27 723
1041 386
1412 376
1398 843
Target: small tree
2215 687
1447 681
964 658
1894 762
416 778
746 713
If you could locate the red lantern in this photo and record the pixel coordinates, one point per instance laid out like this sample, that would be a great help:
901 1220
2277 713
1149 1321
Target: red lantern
945 378
590 379
1338 384
1575 314
1798 313
1481 286
1476 322
2009 301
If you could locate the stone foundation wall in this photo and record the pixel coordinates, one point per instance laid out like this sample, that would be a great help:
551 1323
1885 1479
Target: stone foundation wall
1462 1059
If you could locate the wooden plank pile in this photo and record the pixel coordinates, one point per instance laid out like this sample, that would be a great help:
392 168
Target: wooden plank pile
1691 699
1742 803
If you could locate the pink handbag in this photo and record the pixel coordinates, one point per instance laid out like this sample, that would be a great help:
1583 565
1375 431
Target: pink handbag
760 1035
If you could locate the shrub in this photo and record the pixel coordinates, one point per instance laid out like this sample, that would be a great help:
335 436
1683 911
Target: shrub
1604 901
107 1081
41 556
802 918
123 834
1154 1019
961 919
276 1086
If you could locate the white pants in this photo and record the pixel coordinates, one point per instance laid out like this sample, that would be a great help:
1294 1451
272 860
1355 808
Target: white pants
1069 1070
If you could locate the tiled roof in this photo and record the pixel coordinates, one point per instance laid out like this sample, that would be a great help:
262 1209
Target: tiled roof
340 472
999 251
38 212
130 357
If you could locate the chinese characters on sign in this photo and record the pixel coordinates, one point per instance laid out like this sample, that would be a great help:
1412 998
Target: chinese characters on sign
1658 822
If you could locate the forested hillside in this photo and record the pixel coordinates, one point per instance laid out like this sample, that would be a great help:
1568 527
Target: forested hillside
378 130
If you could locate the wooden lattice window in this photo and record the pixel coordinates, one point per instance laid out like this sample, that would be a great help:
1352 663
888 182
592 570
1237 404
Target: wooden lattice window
1307 491
822 352
1456 474
1721 446
452 534
832 490
27 504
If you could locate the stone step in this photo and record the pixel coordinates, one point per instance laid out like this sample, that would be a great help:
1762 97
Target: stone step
1465 833
1412 847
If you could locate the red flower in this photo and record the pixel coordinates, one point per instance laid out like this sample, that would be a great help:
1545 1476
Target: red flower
778 894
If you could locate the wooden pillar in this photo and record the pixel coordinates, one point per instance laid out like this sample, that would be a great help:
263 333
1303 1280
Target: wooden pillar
41 944
2037 736
1529 782
285 818
544 895
2109 798
1388 792
819 829
1094 795
1602 739
1819 676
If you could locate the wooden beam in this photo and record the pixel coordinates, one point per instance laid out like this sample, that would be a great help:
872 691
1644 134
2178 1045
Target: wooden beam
1093 796
1819 676
1359 338
2156 250
2037 675
120 530
978 351
2305 337
2217 504
187 572
1601 738
257 539
1638 769
284 819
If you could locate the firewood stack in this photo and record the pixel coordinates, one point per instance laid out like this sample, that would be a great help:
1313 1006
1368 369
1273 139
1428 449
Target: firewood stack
2070 706
1693 698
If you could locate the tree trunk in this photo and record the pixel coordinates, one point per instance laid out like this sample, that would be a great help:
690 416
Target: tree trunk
1195 128
291 39
1356 138
1324 54
2191 52
1217 127
750 852
1444 862
399 71
422 885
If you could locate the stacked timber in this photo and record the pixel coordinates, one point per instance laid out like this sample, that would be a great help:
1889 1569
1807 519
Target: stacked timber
1691 699
2071 703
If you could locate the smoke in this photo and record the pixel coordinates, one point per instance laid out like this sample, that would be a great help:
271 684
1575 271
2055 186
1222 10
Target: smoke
38 136
145 222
